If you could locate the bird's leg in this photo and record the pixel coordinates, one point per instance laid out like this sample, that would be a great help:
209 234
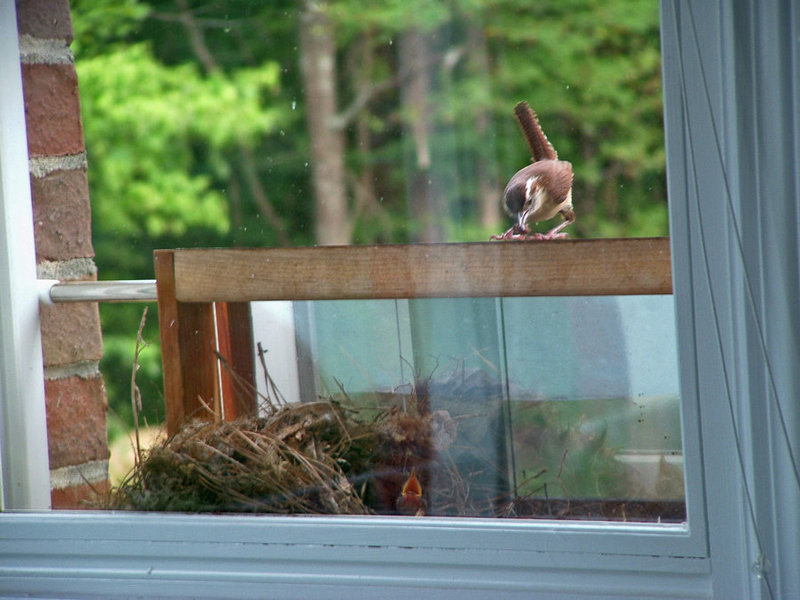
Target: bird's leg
503 236
555 233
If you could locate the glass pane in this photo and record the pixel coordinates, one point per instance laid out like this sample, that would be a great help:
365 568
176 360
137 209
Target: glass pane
205 127
593 390
513 408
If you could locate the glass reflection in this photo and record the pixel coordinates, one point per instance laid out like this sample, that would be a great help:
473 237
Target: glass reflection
516 407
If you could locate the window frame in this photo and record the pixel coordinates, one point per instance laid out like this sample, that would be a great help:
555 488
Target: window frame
25 475
89 554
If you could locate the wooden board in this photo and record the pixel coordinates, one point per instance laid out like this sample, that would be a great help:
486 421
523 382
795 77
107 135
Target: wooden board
484 269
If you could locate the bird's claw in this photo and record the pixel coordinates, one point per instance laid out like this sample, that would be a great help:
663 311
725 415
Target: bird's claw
515 234
508 235
548 236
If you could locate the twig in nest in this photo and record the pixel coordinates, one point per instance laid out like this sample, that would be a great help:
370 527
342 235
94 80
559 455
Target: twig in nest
136 394
270 386
210 410
245 387
563 487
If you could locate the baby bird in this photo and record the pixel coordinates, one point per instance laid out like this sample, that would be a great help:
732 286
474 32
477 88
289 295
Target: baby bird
541 190
410 500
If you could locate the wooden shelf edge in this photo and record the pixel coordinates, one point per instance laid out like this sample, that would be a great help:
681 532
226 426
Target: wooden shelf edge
477 269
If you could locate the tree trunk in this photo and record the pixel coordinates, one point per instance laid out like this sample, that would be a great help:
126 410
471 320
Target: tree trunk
318 63
489 193
416 81
361 64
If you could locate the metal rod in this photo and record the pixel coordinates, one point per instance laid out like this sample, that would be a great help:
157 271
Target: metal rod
137 290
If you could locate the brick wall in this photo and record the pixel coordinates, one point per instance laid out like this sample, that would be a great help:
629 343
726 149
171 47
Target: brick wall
71 338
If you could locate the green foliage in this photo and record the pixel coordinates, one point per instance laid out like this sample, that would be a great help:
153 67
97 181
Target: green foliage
144 122
389 17
100 24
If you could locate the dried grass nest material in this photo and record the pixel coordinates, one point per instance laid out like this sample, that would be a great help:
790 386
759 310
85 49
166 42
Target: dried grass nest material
295 460
314 458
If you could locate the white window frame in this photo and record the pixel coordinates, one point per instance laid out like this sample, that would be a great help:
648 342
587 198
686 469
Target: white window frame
23 432
737 485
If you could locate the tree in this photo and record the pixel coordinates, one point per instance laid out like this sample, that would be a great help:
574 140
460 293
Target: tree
318 62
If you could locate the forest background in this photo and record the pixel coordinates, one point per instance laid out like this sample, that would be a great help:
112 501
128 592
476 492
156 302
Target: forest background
290 123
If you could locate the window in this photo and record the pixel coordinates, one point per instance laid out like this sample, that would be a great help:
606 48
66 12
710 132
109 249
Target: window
737 341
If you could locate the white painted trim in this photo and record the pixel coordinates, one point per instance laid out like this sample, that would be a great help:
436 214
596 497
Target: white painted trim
333 557
25 470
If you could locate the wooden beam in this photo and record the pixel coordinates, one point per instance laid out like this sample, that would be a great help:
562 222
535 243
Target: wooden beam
484 269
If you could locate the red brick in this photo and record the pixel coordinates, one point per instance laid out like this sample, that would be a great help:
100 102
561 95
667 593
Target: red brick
62 216
52 110
80 496
76 420
71 333
45 19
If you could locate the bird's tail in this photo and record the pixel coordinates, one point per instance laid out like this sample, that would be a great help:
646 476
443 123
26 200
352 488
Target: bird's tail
541 148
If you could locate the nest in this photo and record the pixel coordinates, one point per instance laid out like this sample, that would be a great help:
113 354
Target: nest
301 458
332 456
439 449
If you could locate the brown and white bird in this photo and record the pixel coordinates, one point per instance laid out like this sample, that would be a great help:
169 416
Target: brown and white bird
541 190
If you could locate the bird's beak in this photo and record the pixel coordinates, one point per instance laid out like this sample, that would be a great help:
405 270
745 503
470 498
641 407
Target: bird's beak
521 218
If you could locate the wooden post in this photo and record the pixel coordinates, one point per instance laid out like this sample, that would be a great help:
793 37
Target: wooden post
187 350
237 375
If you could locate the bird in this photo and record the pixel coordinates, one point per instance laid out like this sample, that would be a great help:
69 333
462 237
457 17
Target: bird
410 500
541 190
